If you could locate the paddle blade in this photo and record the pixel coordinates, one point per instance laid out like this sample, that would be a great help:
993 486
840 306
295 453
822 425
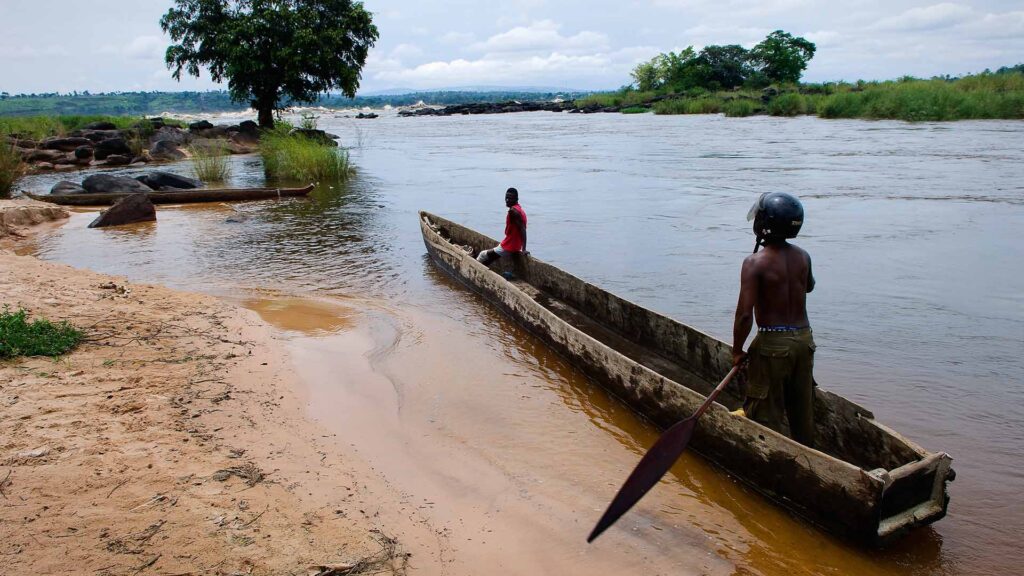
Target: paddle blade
662 455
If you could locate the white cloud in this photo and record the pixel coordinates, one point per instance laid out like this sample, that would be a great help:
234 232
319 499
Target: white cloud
542 36
405 52
457 38
998 26
146 48
931 17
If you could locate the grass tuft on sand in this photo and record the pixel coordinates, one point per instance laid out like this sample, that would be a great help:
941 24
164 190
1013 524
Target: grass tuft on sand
19 337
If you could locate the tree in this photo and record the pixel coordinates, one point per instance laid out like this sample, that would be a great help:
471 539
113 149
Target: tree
781 57
723 66
271 51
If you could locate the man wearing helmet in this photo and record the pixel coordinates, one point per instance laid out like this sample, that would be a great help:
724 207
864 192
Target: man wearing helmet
773 291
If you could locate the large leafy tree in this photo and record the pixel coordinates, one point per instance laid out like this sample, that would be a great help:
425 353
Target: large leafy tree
781 57
271 51
722 66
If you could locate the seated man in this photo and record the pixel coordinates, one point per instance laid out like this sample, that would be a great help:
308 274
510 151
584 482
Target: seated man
515 231
773 289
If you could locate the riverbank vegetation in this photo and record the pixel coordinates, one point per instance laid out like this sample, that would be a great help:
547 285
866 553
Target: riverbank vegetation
210 163
19 337
11 167
296 157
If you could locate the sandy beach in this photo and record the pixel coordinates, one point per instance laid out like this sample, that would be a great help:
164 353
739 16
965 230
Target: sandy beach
172 441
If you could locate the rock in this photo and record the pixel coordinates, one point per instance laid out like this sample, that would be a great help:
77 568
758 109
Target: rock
112 146
66 187
315 135
200 125
245 138
84 152
43 156
37 453
22 142
128 210
369 116
118 160
98 135
43 166
170 134
65 144
101 126
107 184
249 127
65 167
237 218
165 150
67 158
160 180
768 93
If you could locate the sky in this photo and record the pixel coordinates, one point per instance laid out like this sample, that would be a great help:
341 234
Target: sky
108 45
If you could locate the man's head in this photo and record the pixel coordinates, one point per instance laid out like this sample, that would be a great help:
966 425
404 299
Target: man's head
511 197
777 216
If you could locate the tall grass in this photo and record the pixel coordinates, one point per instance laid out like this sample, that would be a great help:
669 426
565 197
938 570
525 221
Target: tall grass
11 167
788 104
622 98
983 96
19 337
704 105
38 127
301 159
210 163
738 108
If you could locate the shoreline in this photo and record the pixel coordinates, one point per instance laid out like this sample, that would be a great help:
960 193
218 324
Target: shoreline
174 439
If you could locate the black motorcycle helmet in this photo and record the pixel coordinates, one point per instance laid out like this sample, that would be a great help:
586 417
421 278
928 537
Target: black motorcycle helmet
776 216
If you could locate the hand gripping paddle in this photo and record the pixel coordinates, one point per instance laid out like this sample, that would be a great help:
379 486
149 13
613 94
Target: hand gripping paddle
656 462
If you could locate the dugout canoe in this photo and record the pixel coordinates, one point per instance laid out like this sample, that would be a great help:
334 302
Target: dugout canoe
176 197
864 481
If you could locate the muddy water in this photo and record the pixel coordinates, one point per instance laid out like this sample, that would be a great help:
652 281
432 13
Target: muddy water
507 450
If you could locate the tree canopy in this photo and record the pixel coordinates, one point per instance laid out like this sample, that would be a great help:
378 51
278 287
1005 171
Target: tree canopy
271 51
778 58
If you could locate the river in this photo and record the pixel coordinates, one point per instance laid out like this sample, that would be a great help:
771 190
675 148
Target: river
918 315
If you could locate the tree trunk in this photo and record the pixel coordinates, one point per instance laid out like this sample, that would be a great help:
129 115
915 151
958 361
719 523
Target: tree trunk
266 115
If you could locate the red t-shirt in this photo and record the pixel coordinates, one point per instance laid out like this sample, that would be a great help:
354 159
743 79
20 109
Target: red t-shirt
513 241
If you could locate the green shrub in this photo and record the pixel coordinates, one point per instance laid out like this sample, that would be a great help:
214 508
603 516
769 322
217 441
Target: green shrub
635 110
788 104
38 127
301 159
11 167
210 164
738 108
19 337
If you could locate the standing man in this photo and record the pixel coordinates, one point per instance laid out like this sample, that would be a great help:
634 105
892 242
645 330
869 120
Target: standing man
515 231
773 290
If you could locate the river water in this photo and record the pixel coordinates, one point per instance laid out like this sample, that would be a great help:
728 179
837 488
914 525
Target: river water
918 315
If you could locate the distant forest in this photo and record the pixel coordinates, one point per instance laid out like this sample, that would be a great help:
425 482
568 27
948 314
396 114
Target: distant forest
154 103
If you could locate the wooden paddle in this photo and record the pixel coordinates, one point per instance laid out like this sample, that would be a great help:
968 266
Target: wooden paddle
656 462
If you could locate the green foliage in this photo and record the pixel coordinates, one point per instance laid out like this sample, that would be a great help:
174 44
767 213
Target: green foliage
271 51
635 110
38 127
688 106
788 104
781 57
718 67
11 167
623 98
738 108
19 337
300 159
309 121
210 163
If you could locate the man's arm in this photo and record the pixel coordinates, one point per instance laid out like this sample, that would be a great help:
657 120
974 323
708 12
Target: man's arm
810 275
744 320
517 219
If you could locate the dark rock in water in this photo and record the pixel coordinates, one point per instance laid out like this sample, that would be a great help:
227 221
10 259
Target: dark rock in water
237 218
249 127
66 187
66 158
245 138
369 116
315 135
101 126
118 160
112 146
65 144
165 180
84 152
98 135
128 210
490 108
201 125
165 150
107 184
212 132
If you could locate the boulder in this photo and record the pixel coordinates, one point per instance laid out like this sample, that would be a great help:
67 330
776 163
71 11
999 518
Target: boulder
66 187
200 125
128 210
43 156
161 180
112 146
367 116
65 167
170 134
65 144
214 132
84 152
315 135
249 127
165 150
107 184
101 126
245 138
118 160
42 166
22 142
67 158
98 135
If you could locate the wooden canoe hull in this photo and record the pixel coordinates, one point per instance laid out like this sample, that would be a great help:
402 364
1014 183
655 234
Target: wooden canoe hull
179 197
866 482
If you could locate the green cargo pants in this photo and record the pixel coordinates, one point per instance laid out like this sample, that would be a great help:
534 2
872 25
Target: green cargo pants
781 382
